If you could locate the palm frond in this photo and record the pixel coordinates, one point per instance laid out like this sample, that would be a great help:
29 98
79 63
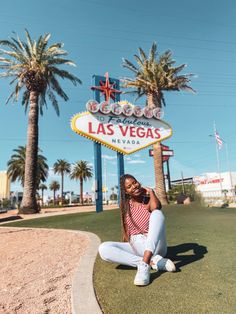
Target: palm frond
142 54
60 61
129 65
153 52
8 43
7 74
19 44
18 56
10 97
65 74
42 102
54 101
188 88
29 40
42 44
25 99
139 61
57 88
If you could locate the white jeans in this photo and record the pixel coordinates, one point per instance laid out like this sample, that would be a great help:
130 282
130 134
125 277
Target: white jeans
132 253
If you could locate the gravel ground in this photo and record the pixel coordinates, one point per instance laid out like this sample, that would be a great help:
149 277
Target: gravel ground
37 267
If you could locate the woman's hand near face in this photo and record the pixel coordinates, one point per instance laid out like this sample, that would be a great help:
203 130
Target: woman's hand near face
154 202
147 190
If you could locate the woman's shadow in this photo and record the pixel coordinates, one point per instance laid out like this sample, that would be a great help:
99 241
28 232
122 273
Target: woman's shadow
193 252
183 254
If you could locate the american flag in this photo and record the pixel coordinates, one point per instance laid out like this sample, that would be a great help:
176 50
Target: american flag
218 140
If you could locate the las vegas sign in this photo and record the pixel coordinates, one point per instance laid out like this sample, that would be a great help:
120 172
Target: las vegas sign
121 126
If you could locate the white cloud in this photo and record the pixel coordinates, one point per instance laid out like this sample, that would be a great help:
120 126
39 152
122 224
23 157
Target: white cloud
108 157
137 161
51 174
128 158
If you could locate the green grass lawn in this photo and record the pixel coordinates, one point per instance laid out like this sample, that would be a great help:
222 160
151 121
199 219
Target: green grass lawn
201 243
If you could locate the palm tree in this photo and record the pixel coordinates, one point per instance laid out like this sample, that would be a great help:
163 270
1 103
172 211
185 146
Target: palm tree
153 76
54 186
81 171
61 167
42 187
34 68
16 166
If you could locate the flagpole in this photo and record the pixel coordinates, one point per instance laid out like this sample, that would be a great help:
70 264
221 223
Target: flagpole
218 160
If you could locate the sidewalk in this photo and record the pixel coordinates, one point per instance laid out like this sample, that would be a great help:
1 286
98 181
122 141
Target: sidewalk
12 215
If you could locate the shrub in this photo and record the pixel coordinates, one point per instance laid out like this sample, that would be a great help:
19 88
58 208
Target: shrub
176 192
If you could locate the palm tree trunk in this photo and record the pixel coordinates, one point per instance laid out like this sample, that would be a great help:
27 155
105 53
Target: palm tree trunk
29 202
159 174
153 101
54 196
81 192
62 187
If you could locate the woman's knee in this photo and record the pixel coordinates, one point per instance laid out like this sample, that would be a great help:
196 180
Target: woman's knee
157 214
104 250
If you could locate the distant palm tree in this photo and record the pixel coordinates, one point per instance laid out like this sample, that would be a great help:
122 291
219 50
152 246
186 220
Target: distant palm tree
16 166
35 68
54 186
81 171
61 167
42 187
153 76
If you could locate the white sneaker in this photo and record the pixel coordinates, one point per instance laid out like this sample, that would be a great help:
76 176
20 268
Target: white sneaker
142 277
162 264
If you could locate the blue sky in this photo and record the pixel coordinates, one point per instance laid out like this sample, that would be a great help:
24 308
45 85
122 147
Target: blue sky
97 34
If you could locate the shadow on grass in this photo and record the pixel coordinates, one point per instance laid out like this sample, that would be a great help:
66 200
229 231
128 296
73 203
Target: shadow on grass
174 253
193 252
11 218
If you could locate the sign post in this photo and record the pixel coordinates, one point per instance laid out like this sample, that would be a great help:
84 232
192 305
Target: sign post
105 86
98 161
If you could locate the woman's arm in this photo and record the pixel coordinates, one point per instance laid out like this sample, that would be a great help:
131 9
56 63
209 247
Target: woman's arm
154 202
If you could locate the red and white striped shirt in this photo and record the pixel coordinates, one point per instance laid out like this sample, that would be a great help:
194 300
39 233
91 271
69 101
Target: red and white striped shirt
140 216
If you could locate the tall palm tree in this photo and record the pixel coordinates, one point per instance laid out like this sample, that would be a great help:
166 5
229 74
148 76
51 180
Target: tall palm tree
54 186
42 187
34 69
152 77
16 166
62 167
81 171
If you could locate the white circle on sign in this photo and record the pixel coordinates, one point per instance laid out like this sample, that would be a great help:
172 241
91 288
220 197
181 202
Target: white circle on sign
116 109
105 107
92 106
148 112
127 110
158 113
138 111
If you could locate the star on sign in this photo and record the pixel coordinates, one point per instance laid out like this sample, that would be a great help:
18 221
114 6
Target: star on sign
107 89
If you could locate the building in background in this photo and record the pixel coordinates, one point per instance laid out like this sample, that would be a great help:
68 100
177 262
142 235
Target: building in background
4 185
216 185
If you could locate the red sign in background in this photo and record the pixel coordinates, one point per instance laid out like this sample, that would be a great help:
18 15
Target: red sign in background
166 152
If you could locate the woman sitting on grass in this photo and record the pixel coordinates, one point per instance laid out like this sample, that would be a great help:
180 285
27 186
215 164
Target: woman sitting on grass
144 230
